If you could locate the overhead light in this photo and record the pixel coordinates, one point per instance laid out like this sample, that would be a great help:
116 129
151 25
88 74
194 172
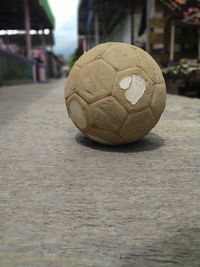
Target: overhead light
33 32
46 31
2 32
10 32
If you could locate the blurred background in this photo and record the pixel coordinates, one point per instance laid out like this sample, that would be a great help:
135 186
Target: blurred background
41 39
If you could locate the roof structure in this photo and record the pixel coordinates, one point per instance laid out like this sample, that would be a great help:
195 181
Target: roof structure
109 12
12 15
182 9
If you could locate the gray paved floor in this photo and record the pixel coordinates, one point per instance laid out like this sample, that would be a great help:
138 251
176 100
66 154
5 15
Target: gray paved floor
65 201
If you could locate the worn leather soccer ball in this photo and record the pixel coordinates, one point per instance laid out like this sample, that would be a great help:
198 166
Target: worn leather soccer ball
115 93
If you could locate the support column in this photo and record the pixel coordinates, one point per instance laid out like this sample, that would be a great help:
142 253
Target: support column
89 40
198 43
96 28
132 24
84 43
43 40
150 12
105 35
27 25
172 42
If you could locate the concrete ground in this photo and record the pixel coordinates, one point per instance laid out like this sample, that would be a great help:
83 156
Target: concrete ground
66 201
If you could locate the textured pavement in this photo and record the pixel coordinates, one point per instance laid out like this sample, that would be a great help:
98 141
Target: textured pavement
66 201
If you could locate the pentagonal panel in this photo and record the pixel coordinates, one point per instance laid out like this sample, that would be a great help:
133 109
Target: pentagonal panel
71 82
95 81
104 137
91 55
121 56
78 112
149 65
108 114
120 92
158 100
137 125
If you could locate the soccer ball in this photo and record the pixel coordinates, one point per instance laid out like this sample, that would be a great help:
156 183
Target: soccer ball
115 93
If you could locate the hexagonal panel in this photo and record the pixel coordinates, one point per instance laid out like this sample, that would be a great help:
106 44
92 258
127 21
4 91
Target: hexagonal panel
121 56
78 111
71 82
119 93
149 65
91 55
95 81
137 125
104 137
108 114
158 100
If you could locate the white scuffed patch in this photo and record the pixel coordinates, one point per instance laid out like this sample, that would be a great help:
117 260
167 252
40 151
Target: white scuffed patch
136 88
77 114
125 83
99 140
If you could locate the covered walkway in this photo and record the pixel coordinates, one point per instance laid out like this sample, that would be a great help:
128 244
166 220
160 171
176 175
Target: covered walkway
24 26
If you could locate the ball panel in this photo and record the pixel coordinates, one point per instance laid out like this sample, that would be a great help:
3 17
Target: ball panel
108 114
125 83
92 54
158 100
95 81
77 114
107 137
121 56
78 111
137 125
120 94
71 82
135 90
149 66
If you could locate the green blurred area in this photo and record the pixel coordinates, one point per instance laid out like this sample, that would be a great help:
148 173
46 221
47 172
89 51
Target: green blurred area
48 11
14 70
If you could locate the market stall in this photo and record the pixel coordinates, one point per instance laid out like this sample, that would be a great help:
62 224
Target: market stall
184 46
